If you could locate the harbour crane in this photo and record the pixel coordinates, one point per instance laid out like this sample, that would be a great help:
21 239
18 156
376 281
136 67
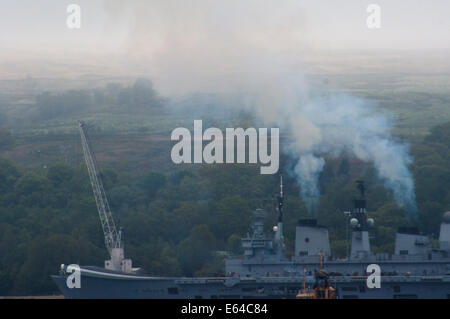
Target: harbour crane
113 236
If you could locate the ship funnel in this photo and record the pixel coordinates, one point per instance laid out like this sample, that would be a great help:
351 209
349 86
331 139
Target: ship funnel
311 239
408 241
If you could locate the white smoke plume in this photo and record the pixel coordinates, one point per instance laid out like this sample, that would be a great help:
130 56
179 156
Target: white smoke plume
331 124
255 49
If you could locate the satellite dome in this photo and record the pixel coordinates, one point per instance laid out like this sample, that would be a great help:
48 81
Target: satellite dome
353 222
446 218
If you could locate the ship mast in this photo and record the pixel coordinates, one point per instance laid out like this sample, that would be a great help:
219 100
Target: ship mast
279 238
280 201
360 225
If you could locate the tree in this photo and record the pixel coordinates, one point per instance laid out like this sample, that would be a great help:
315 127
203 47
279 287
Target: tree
44 256
144 96
60 174
152 182
439 134
6 140
231 216
8 175
196 250
33 190
430 217
432 182
234 244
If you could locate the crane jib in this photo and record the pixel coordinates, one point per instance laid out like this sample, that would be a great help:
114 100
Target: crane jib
112 236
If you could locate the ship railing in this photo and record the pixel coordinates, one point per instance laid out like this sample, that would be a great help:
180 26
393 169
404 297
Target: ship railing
410 258
403 278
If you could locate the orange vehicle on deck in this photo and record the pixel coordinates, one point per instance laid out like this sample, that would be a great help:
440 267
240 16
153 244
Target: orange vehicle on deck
322 288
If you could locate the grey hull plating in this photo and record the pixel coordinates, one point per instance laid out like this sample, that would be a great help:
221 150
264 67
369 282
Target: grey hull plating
98 284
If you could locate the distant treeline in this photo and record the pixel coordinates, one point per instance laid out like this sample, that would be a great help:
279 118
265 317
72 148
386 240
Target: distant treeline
174 223
139 97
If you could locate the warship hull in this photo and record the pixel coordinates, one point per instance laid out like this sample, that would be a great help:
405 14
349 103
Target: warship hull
98 283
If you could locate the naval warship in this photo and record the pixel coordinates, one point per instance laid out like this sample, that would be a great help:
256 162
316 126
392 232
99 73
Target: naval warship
414 270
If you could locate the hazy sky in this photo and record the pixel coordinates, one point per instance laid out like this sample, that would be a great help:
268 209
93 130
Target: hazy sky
204 38
406 24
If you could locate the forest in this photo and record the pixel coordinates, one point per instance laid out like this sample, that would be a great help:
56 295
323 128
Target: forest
182 222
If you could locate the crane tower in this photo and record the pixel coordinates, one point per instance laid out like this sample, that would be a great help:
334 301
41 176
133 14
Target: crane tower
113 237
